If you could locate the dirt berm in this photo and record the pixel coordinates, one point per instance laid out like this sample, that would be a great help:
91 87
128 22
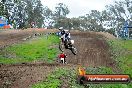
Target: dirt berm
92 48
92 51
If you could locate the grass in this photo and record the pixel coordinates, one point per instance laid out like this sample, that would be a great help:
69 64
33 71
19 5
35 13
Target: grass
104 70
54 80
120 50
99 70
122 53
42 48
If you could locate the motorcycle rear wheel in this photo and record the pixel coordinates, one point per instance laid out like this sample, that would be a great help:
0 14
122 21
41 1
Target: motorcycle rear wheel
74 50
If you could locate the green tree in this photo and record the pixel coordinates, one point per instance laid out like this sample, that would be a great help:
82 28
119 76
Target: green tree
61 10
4 9
48 17
1 9
91 22
75 23
38 14
27 12
119 12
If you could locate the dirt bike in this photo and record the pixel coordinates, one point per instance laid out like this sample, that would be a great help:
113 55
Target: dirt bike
68 44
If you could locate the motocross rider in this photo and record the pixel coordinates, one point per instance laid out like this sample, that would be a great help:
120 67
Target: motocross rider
62 33
67 37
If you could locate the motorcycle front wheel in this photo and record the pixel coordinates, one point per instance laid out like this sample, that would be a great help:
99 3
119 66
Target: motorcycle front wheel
61 46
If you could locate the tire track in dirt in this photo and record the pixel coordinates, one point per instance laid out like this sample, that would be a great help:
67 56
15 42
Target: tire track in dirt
9 37
25 75
92 49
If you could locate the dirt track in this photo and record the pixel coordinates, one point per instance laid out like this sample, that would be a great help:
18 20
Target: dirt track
92 51
9 37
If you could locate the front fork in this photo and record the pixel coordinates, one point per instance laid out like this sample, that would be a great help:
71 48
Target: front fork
62 40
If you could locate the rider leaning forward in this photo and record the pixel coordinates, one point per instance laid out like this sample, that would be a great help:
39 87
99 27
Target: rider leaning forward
65 34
